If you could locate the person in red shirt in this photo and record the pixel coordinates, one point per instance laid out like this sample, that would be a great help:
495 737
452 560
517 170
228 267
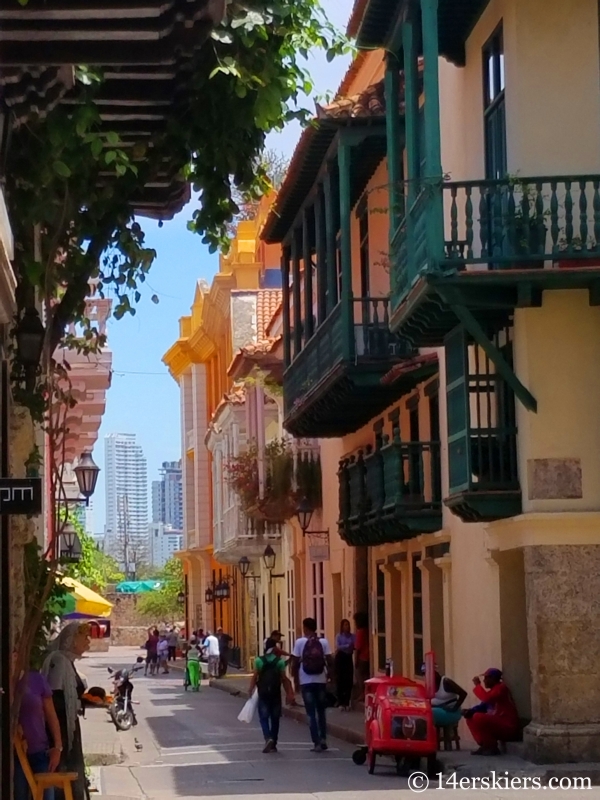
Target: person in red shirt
495 718
361 653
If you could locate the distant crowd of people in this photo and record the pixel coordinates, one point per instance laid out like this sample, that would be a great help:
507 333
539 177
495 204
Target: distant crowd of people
162 646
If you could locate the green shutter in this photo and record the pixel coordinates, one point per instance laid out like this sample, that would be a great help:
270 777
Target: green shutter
457 400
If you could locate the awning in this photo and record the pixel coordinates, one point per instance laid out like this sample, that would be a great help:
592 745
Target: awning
137 587
83 602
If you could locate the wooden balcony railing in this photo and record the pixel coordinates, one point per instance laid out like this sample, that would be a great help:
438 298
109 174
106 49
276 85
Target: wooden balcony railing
367 337
512 223
391 481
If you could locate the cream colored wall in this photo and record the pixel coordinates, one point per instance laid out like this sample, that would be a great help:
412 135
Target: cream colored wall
377 194
202 468
556 358
473 635
552 65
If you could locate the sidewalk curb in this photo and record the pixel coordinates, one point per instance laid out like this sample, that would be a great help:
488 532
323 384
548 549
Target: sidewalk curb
298 714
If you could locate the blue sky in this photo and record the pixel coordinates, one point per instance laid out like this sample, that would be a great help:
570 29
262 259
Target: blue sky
143 398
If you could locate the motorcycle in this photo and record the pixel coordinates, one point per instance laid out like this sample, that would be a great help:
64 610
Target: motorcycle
121 709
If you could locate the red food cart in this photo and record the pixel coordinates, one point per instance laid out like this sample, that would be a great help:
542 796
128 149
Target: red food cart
398 723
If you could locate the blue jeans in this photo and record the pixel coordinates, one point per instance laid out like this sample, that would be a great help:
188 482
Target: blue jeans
38 763
314 696
269 715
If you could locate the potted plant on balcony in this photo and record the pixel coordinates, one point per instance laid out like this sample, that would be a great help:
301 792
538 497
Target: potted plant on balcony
569 252
279 501
241 473
525 228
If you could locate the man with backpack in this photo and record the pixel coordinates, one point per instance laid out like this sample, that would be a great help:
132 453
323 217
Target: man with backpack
269 676
312 664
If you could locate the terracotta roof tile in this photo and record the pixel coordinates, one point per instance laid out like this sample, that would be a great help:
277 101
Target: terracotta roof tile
274 318
237 396
267 302
369 103
356 17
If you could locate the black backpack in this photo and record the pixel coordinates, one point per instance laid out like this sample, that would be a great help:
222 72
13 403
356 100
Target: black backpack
269 680
313 656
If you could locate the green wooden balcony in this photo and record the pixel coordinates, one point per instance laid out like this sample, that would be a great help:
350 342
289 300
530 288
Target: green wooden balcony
390 492
492 246
482 431
333 385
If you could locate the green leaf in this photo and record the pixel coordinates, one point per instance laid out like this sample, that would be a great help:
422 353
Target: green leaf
121 169
113 139
62 169
110 156
96 147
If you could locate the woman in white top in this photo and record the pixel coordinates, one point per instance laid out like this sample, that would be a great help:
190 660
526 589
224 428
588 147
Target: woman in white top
447 700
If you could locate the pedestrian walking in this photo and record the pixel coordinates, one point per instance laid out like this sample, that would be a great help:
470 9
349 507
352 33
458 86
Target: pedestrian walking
173 642
211 645
224 644
362 654
192 658
343 665
163 653
311 666
151 648
268 678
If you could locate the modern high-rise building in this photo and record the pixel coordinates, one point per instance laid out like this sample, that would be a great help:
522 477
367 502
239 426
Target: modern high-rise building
126 500
164 542
167 496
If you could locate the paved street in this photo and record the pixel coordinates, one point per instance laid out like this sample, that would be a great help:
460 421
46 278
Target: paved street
193 746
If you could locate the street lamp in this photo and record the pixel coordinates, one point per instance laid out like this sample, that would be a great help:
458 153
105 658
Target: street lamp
209 595
269 558
304 514
69 544
86 473
244 565
181 598
30 335
222 591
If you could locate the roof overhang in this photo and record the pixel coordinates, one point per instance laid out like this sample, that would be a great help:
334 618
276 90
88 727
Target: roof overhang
373 23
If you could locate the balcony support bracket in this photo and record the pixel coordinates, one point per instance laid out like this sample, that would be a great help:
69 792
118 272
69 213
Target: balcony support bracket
466 318
595 293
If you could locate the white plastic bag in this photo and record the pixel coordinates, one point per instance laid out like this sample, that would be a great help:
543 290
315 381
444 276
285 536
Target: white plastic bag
249 710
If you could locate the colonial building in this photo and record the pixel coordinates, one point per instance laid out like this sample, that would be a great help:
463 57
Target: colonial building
448 207
229 314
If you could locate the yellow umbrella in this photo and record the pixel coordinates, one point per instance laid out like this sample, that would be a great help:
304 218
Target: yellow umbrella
84 602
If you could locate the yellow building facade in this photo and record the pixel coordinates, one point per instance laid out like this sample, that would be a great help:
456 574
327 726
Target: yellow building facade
199 362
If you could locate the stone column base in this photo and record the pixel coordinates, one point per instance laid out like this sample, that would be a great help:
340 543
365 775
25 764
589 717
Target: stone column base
560 744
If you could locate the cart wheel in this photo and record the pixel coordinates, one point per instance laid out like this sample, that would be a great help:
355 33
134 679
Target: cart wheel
402 768
359 756
433 766
372 759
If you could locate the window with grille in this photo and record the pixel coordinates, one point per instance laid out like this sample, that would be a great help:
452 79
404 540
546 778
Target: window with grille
291 608
482 427
494 110
417 615
381 621
319 596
